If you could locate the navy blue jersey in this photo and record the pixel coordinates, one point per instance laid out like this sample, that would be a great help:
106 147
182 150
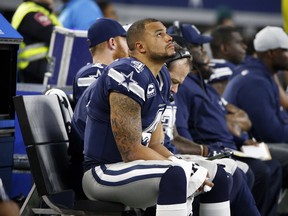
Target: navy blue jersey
168 122
78 124
130 77
84 77
80 113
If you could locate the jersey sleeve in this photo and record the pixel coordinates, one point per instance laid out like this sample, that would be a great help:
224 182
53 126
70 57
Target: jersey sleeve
84 78
127 80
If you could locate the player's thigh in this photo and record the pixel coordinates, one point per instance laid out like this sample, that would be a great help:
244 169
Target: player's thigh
135 184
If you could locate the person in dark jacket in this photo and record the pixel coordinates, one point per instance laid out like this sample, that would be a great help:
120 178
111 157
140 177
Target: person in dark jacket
201 116
255 91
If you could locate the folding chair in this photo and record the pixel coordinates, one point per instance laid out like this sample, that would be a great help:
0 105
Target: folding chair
46 141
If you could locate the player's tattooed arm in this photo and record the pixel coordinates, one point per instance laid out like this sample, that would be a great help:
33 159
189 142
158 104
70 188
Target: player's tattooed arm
127 129
126 124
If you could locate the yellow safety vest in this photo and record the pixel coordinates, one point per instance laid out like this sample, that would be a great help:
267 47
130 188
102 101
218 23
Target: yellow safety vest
32 52
285 14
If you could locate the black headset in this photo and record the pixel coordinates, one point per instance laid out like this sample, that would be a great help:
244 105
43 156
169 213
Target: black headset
179 55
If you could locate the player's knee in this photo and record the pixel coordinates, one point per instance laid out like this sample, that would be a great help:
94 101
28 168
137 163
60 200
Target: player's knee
222 177
222 187
174 176
173 186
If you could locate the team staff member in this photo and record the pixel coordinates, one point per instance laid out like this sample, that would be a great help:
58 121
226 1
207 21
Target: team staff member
269 119
201 116
269 125
179 66
35 21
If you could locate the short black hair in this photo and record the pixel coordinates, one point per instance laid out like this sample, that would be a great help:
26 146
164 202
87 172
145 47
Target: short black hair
221 35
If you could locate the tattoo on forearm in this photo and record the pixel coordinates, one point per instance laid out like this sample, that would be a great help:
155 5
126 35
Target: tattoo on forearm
126 124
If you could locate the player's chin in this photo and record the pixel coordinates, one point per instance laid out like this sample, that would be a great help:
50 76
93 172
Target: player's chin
171 52
170 48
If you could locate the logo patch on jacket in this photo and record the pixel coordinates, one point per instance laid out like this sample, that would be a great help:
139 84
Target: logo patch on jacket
42 19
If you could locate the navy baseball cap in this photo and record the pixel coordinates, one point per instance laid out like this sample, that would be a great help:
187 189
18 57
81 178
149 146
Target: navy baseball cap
191 34
103 29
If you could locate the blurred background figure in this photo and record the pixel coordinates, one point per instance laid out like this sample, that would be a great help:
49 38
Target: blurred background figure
228 51
224 16
261 101
79 14
34 20
108 9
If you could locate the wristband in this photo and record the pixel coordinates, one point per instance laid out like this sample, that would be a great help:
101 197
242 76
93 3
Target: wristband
201 150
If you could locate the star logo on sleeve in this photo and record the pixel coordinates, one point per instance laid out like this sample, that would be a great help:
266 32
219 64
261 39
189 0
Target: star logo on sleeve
98 73
127 80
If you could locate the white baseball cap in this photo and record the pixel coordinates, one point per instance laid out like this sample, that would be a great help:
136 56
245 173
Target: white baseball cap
269 38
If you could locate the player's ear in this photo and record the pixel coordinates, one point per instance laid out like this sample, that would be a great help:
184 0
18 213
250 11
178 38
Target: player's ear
270 53
112 43
140 47
223 48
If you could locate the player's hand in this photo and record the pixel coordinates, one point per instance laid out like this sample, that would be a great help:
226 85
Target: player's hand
251 142
206 186
233 126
